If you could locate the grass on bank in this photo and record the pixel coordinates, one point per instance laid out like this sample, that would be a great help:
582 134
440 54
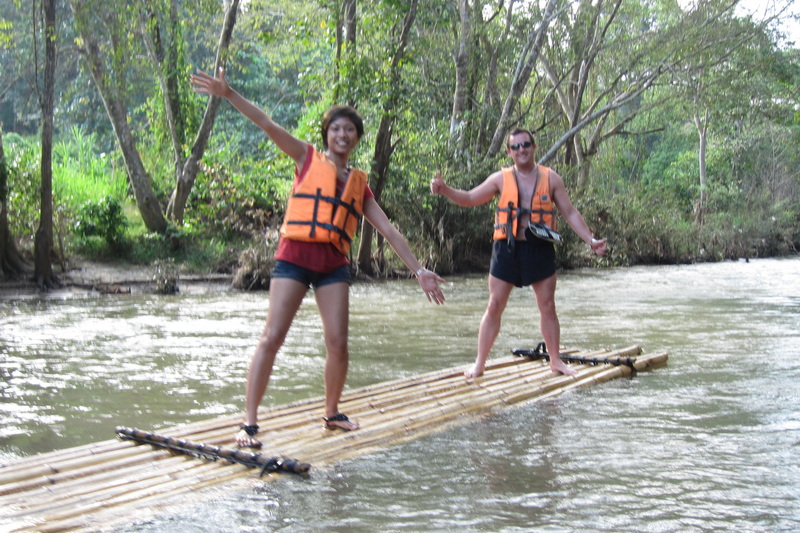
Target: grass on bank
95 217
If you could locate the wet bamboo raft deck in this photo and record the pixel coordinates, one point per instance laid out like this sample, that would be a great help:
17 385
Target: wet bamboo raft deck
91 487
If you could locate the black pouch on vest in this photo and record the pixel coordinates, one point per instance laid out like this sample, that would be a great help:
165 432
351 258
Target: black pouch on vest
540 230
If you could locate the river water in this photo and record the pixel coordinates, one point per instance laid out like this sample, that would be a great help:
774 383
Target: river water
708 443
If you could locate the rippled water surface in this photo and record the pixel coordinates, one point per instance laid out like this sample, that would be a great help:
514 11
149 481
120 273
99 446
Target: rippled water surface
709 443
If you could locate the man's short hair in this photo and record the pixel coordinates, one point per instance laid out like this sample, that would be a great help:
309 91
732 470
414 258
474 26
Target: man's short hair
522 130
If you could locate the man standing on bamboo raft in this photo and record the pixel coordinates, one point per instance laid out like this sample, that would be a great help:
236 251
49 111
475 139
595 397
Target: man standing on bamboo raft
327 201
524 232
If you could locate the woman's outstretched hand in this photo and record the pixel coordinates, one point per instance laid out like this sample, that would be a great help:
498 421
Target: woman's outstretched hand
206 84
429 281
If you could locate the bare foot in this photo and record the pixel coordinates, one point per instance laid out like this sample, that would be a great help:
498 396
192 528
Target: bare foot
245 440
474 372
340 421
558 366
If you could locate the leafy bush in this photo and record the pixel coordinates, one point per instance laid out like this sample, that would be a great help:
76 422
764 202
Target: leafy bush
23 159
102 218
244 197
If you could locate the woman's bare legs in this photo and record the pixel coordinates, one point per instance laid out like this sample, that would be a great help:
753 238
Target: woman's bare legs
333 301
285 297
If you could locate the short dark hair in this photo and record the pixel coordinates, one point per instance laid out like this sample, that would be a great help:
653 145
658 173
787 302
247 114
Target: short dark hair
522 130
339 111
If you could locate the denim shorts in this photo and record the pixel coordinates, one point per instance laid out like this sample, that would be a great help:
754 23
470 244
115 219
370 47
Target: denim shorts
285 269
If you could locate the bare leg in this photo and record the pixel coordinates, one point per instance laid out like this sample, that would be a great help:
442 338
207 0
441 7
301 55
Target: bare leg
333 301
545 292
499 292
285 297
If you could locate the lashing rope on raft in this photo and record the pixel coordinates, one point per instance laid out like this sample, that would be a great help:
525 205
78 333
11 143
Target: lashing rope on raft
214 453
540 352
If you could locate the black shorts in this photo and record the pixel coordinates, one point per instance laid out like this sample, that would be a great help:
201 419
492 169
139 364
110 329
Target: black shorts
525 264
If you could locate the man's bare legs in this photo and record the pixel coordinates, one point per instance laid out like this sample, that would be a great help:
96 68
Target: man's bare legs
545 292
285 297
499 292
333 304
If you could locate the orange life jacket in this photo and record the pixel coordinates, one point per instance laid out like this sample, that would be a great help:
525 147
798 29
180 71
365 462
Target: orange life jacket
316 214
507 213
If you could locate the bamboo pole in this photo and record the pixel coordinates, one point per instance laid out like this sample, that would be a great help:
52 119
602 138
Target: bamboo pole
78 490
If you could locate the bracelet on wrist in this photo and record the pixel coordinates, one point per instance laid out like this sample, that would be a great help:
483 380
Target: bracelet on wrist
420 271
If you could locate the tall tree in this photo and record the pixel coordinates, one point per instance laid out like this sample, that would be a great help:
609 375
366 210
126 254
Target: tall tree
522 74
490 90
43 241
346 25
461 60
384 145
187 170
104 31
714 75
598 62
108 52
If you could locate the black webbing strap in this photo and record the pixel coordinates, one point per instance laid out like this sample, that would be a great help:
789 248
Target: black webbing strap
540 352
214 453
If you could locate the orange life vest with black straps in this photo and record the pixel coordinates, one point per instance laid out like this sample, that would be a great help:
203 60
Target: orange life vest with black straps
507 213
315 213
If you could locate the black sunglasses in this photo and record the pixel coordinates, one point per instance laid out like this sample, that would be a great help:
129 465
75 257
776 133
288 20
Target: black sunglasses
517 146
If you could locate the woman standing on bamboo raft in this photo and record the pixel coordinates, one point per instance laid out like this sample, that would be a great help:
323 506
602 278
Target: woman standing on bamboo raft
328 199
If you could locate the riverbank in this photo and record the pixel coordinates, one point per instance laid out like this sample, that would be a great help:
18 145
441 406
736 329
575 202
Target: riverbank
87 278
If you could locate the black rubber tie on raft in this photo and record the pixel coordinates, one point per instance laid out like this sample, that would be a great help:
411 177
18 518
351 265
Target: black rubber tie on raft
540 352
214 453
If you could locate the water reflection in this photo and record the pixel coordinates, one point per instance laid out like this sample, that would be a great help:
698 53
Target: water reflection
706 444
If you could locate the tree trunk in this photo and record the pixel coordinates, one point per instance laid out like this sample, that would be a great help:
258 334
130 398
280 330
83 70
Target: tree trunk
461 58
383 140
345 39
153 43
111 87
383 154
187 173
43 240
702 131
491 82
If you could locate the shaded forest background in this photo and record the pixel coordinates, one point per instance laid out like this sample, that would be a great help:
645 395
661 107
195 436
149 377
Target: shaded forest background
676 125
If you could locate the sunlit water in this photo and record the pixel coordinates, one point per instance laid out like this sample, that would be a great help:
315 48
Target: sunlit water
709 443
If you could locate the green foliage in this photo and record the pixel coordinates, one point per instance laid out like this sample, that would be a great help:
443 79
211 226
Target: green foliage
446 237
3 173
239 196
82 173
5 33
639 226
23 160
104 219
194 250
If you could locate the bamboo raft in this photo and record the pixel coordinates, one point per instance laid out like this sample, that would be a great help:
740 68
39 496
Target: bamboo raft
93 487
